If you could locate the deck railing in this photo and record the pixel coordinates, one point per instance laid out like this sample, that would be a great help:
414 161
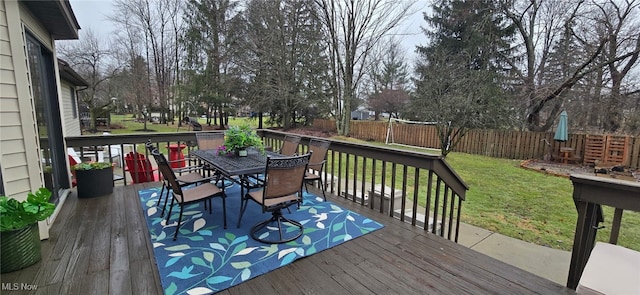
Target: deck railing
417 188
114 147
590 193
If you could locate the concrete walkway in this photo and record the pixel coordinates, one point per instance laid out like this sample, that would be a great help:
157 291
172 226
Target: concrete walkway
551 264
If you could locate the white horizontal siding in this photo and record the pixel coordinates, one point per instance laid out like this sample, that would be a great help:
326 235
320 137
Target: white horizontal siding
3 15
8 90
7 103
10 133
10 119
16 175
5 60
19 188
12 146
13 160
5 46
70 125
4 32
7 77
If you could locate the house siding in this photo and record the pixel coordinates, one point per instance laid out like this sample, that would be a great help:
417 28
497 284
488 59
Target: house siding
70 125
20 159
19 143
10 154
20 169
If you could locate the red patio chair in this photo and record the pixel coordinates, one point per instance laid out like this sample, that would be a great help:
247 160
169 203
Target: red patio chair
73 162
140 168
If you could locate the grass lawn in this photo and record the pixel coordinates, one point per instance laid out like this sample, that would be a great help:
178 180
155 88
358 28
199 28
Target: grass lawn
130 126
503 197
523 204
528 205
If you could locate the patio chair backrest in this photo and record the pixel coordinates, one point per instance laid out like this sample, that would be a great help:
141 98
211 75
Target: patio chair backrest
290 145
167 172
149 145
284 176
209 140
319 149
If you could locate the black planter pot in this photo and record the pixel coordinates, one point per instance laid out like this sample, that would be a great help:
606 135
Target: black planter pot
19 248
94 183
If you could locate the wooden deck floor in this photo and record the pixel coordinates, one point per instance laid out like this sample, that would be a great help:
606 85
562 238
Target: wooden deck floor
101 246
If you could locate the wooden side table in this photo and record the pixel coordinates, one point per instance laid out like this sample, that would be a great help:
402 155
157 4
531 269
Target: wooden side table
567 153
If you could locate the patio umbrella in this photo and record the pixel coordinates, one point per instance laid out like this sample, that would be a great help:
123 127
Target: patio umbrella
562 133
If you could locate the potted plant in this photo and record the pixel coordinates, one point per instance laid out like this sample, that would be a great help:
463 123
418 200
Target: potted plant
20 241
93 179
238 138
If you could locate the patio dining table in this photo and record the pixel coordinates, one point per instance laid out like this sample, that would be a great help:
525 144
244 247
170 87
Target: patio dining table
241 170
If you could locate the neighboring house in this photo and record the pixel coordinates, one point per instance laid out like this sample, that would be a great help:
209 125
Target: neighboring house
30 97
361 114
70 83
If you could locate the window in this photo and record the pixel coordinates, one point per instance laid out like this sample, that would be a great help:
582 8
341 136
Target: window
74 103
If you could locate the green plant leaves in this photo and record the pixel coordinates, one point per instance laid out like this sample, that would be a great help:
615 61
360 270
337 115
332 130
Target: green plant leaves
91 166
241 137
16 215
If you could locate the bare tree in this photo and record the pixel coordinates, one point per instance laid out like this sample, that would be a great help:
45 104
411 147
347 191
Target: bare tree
621 27
354 28
542 24
129 45
539 25
154 19
389 78
90 57
392 101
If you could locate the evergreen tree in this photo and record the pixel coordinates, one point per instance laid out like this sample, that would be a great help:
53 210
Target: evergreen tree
211 76
459 72
286 61
390 78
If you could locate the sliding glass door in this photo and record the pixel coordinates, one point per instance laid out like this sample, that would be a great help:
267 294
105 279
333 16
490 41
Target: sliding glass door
47 113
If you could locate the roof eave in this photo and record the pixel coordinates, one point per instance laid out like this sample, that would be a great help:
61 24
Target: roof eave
56 16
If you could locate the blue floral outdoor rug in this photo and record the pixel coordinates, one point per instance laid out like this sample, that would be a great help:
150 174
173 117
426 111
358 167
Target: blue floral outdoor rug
206 258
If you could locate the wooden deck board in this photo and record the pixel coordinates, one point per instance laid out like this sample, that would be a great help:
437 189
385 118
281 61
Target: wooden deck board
401 265
76 272
101 246
52 289
119 274
143 274
416 265
345 272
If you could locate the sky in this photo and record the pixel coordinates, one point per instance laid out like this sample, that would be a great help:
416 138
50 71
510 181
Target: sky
92 14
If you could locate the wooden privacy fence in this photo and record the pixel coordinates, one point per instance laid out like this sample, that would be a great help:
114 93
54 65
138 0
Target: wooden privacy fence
508 144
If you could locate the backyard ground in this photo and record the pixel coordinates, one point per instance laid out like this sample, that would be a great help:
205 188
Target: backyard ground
555 168
313 132
565 170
